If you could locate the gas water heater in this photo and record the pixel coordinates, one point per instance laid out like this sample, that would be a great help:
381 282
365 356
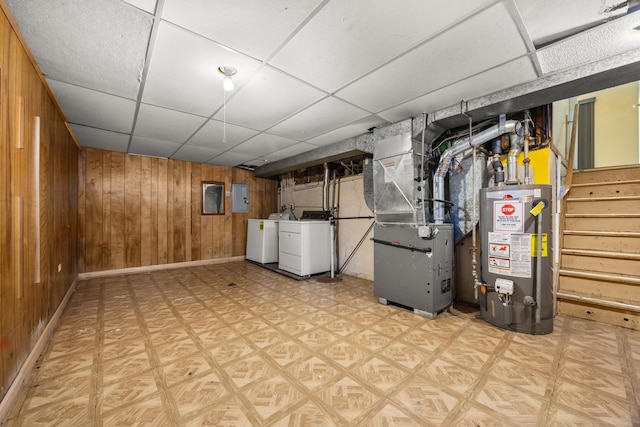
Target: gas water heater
515 230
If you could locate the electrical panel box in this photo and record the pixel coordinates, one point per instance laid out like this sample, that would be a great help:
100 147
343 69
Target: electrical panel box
239 198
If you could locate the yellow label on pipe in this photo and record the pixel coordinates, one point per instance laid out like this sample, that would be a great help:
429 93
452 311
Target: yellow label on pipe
534 245
537 209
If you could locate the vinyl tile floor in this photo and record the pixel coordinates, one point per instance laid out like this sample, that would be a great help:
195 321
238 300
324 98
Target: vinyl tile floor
238 345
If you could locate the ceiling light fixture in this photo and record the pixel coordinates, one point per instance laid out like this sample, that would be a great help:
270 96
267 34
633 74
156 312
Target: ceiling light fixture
227 72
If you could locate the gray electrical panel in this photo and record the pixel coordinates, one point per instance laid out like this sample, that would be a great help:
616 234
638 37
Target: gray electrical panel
239 198
414 271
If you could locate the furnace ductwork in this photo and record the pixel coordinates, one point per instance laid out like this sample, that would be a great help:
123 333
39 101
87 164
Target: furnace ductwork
458 147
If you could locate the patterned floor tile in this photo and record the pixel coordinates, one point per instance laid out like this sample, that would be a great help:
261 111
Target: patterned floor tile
345 353
593 378
65 365
424 340
452 376
405 355
371 340
599 406
272 396
309 415
231 351
117 369
58 389
248 370
391 415
165 336
295 327
279 315
149 412
216 336
127 391
520 375
499 397
169 352
391 328
595 357
287 352
67 413
464 355
521 353
266 337
317 338
185 368
380 374
198 393
474 417
227 413
348 398
249 326
122 348
313 372
425 401
342 327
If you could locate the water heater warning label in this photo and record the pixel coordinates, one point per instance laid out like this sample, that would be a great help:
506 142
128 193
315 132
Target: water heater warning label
508 216
510 254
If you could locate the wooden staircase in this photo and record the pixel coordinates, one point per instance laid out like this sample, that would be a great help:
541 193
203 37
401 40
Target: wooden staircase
599 276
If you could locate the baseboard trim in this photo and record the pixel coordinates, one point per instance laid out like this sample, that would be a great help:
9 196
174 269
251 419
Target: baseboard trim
16 388
157 267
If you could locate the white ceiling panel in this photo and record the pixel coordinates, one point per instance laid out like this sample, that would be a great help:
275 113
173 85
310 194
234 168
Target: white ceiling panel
231 159
601 42
168 125
195 153
99 45
458 53
301 147
262 144
183 73
267 99
152 147
511 74
212 133
253 27
549 20
356 128
98 138
306 124
146 5
95 109
350 38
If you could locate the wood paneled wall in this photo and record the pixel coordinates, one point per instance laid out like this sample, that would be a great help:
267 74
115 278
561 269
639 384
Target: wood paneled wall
139 211
27 301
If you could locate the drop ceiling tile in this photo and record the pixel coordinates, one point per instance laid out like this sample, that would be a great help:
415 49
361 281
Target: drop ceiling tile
100 45
505 76
152 147
194 153
98 138
146 5
167 125
212 133
95 109
601 42
462 51
549 20
351 130
350 38
231 159
262 144
183 73
267 99
325 116
253 27
299 148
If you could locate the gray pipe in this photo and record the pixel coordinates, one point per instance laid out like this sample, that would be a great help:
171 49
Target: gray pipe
325 189
459 146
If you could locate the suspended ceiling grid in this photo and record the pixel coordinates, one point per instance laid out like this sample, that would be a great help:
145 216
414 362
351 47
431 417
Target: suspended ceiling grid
140 75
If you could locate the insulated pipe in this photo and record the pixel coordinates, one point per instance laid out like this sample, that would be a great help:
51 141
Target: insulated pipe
512 159
459 146
325 189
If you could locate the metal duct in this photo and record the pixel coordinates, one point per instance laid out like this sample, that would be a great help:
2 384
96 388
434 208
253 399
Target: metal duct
459 146
367 173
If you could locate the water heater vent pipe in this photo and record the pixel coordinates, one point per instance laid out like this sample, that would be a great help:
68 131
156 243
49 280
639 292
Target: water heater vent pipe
460 146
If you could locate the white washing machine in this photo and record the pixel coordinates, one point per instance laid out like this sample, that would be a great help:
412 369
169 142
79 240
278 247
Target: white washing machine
262 240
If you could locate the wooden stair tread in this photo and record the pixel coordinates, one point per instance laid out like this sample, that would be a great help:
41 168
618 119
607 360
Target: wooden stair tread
598 300
601 254
591 184
605 168
602 233
602 199
621 215
606 277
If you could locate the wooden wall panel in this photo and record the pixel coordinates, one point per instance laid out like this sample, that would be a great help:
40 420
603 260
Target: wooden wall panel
27 301
160 203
